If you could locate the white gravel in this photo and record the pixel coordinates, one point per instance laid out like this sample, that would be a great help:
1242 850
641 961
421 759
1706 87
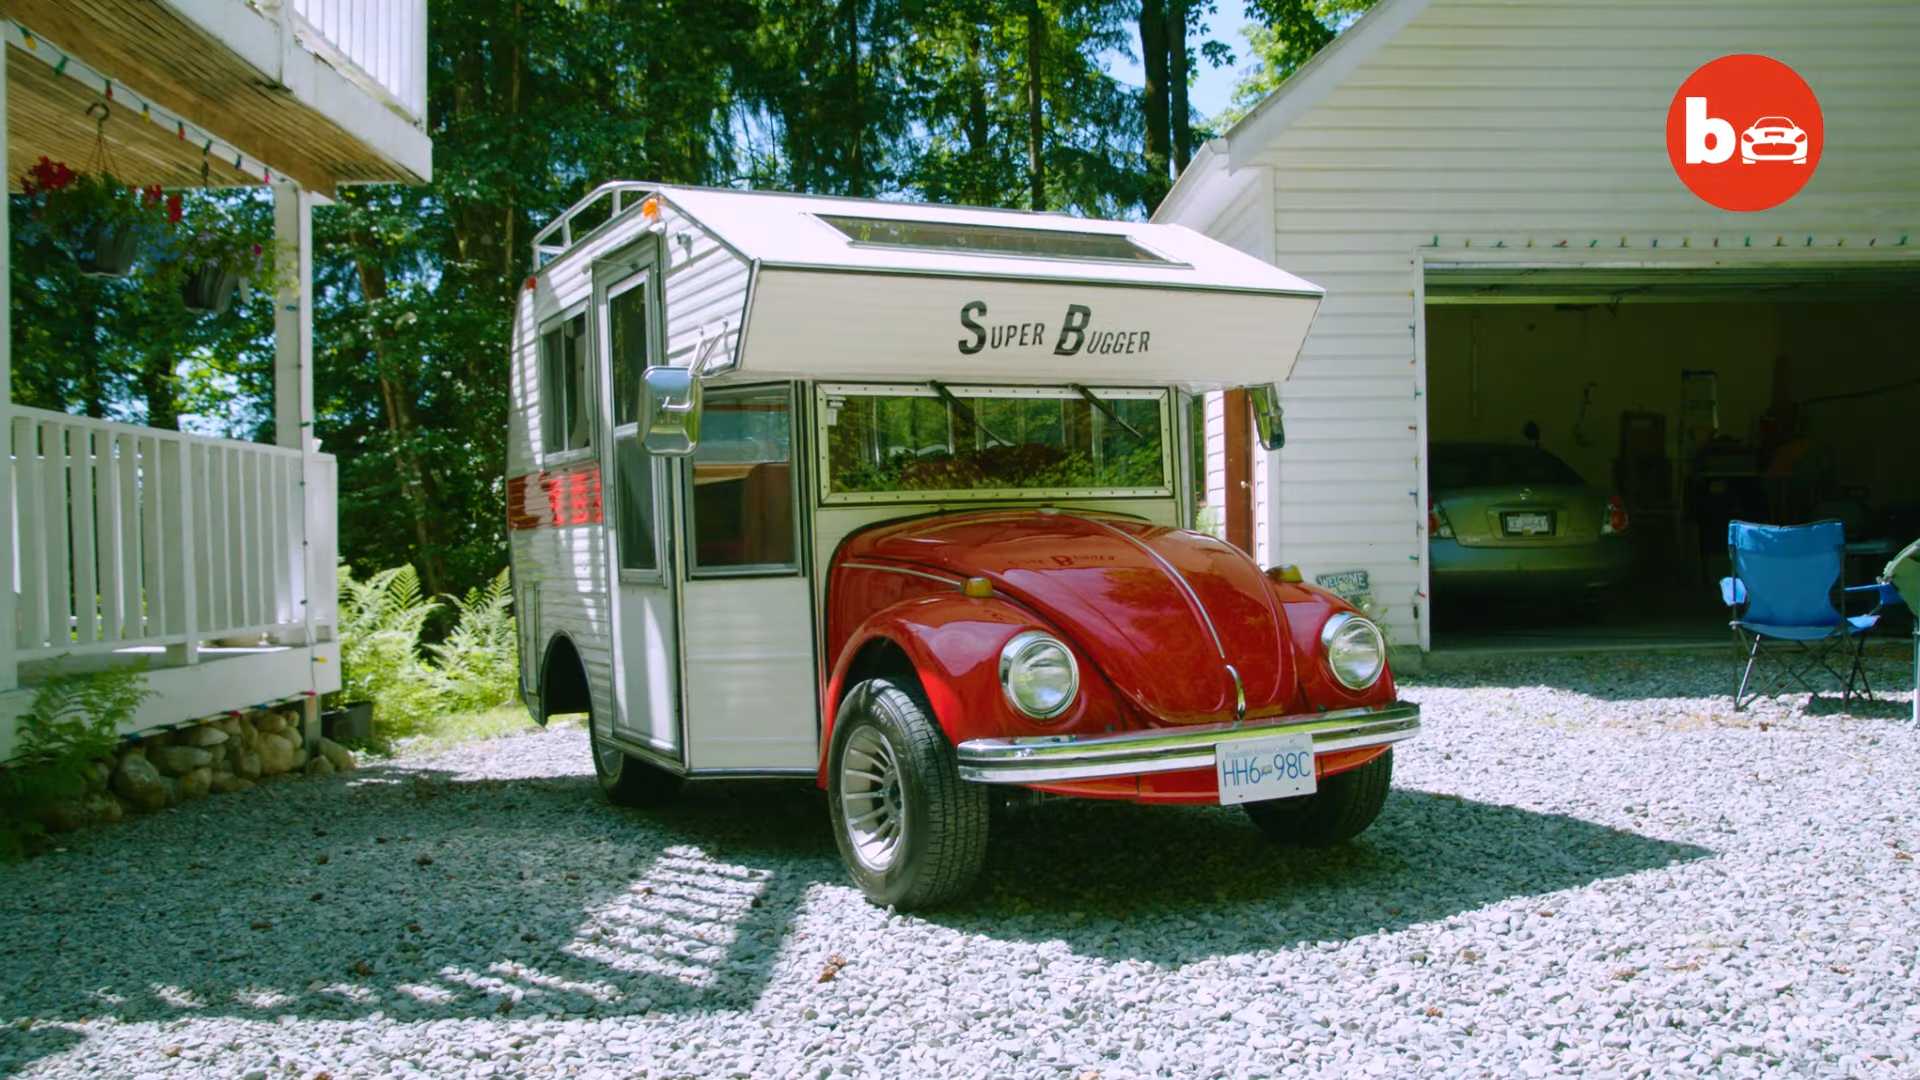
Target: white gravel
1589 867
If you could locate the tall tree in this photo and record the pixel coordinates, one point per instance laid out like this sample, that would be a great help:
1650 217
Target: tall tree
1153 61
1286 34
1178 85
1036 119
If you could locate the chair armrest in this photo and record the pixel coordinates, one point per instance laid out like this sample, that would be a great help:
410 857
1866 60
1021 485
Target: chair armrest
1883 593
1733 591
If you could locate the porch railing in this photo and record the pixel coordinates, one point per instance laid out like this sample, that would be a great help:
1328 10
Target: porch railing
383 40
131 536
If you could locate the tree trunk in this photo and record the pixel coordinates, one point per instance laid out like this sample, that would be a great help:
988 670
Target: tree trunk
979 129
979 152
157 383
401 426
1177 84
1153 47
1036 160
513 133
856 128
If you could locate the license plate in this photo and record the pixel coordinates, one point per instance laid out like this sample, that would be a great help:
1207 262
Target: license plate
1274 767
1529 524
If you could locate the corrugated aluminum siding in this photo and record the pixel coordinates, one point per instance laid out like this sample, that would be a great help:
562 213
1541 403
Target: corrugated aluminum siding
560 575
1502 122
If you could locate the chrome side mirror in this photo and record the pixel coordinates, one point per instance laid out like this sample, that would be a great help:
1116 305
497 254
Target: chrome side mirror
669 411
1267 425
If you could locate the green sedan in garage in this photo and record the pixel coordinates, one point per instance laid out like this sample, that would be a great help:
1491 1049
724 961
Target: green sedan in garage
1510 519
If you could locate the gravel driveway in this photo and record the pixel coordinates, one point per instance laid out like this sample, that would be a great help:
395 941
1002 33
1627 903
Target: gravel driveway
1588 867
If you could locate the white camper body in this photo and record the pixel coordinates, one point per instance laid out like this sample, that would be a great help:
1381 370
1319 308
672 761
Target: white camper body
698 647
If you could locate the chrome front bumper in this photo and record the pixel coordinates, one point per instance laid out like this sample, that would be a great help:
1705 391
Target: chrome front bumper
1047 759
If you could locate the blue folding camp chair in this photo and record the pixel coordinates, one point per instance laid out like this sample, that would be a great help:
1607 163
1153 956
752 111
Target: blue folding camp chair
1781 592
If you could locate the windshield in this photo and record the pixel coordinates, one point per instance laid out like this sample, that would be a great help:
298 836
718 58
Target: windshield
895 443
1495 465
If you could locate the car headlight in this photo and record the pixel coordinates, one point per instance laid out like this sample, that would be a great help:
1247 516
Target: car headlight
1039 674
1356 651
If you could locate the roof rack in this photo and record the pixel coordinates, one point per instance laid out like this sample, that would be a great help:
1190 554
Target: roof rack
545 252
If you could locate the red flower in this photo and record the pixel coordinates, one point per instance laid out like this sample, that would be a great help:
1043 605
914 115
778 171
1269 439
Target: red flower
173 209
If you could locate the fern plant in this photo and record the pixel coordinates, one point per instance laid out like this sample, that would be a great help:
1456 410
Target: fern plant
479 661
73 722
380 660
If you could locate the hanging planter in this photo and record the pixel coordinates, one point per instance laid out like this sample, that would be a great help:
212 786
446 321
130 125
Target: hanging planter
216 262
209 289
102 223
107 251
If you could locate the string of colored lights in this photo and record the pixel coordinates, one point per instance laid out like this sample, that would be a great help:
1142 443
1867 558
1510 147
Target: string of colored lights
66 65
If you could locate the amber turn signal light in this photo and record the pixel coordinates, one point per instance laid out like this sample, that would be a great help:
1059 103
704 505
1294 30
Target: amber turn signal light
977 587
1285 572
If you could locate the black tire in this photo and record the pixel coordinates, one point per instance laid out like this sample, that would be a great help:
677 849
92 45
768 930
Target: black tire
627 780
940 842
1341 810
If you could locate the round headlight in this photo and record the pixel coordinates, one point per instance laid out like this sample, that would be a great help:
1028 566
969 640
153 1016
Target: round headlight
1039 675
1356 653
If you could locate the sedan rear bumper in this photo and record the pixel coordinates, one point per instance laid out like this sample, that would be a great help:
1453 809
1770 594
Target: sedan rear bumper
1048 759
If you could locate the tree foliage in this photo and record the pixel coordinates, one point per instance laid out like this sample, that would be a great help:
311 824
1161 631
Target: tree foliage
532 103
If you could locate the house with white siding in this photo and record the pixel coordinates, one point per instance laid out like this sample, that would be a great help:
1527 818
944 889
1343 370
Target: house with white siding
207 563
1484 190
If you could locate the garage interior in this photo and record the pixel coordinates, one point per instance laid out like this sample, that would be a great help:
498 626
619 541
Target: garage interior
1780 395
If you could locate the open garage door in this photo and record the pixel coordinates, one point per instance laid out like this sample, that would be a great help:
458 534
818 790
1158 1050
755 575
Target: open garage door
1591 430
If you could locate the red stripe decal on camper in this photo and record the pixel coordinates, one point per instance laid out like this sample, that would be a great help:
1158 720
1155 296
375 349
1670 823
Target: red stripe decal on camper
558 499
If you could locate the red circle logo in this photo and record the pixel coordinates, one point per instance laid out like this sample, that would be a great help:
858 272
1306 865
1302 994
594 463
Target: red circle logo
1744 132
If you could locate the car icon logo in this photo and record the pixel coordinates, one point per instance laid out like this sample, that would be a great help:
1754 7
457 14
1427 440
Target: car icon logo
1773 138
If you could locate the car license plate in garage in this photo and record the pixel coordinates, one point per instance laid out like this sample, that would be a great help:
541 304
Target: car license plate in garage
1527 524
1274 767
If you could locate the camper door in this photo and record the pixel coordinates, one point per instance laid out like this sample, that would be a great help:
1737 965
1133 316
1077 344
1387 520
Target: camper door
646 646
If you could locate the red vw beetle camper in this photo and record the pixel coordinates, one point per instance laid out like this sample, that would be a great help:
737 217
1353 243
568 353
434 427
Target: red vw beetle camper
896 497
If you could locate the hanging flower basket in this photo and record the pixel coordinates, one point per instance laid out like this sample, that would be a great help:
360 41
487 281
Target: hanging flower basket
209 289
103 223
107 250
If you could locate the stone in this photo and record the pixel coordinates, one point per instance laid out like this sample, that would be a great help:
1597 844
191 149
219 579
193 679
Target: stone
276 754
137 781
300 754
228 783
105 808
179 760
99 775
246 764
339 756
269 723
204 735
230 725
195 783
63 815
320 766
220 754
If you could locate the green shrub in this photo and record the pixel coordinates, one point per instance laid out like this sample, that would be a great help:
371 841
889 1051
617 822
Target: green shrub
479 661
73 723
380 658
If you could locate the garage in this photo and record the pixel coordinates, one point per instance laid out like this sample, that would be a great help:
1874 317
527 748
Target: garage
1486 192
1591 429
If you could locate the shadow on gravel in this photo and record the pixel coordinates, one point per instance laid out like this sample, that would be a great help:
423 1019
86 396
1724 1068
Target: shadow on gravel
412 894
426 896
1205 883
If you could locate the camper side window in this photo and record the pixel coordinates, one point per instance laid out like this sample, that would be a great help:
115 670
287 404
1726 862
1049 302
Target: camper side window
563 386
742 481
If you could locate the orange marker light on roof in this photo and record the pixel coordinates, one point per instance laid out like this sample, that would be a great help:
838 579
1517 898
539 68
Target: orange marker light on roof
650 208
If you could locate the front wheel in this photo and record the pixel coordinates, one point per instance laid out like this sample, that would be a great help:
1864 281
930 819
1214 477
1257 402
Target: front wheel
1341 810
912 833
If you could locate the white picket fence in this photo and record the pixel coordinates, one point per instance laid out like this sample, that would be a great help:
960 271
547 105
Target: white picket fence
386 40
130 536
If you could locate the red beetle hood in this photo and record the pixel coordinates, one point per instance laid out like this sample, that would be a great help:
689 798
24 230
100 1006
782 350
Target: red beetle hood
1162 611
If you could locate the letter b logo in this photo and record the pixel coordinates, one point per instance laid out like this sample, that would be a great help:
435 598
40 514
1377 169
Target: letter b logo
1709 138
1744 132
